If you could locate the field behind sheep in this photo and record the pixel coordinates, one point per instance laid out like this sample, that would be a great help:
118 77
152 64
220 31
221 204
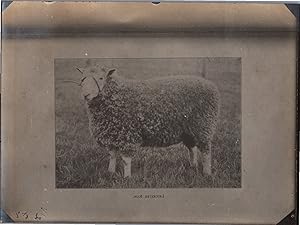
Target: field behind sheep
80 163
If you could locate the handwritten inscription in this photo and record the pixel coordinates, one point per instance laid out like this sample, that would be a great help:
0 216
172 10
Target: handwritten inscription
149 196
38 215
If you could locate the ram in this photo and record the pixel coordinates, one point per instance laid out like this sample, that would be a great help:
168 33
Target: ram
126 115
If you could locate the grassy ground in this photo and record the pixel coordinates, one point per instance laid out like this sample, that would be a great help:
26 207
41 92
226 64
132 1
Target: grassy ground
80 163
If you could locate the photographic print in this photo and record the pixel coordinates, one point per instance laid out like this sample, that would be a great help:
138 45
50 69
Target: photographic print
148 122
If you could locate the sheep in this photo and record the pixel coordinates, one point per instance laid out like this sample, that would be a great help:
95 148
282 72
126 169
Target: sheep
125 115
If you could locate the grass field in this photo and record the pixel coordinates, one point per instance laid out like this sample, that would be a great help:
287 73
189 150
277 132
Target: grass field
80 163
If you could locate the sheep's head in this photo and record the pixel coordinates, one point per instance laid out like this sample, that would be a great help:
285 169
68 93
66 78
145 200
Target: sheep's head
94 80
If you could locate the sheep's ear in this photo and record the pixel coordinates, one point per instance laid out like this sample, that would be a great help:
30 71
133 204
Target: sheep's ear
81 70
110 72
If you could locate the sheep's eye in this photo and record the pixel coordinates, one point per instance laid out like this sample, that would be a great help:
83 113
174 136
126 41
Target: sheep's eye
101 78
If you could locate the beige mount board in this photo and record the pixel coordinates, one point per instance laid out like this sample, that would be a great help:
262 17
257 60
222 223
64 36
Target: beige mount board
260 34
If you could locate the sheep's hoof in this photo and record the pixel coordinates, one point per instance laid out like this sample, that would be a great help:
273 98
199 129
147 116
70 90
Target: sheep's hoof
112 162
127 166
147 183
207 171
194 182
195 166
206 162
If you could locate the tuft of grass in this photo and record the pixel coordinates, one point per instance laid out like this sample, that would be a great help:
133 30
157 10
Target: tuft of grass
80 163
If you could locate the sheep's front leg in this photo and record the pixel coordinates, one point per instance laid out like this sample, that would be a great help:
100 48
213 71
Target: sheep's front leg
206 160
112 162
195 157
127 166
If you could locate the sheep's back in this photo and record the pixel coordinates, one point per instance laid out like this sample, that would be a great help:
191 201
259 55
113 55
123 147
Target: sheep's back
175 105
154 112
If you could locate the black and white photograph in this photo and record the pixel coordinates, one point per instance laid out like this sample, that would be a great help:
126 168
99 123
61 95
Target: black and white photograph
148 123
112 113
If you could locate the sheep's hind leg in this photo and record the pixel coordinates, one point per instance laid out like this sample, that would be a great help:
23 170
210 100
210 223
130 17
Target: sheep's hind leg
127 166
190 154
195 157
189 142
112 162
